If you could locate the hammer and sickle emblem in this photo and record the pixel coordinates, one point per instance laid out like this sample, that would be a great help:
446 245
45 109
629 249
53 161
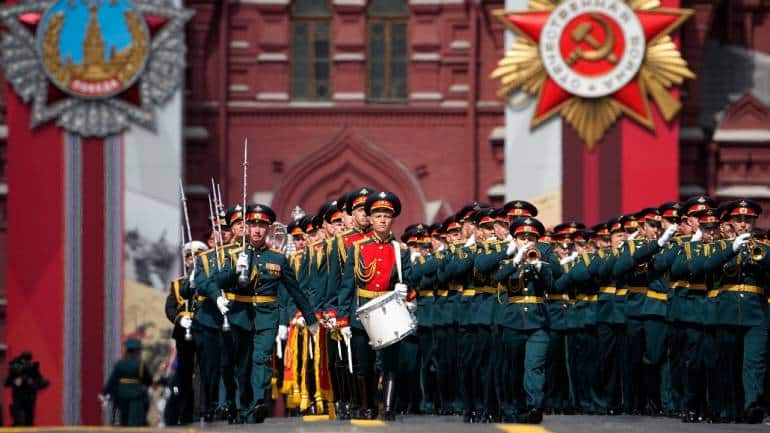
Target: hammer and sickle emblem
600 51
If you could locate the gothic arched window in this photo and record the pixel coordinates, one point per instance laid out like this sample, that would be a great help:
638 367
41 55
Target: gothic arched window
387 50
310 49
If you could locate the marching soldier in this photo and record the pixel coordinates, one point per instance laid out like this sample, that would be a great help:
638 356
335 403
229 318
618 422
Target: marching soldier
557 387
644 338
742 309
370 273
127 385
179 312
209 330
445 321
525 277
350 208
257 278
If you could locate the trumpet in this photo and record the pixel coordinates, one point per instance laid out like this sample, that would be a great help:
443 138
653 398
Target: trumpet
756 251
532 255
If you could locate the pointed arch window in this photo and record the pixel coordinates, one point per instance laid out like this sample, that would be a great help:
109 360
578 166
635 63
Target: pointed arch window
311 49
387 50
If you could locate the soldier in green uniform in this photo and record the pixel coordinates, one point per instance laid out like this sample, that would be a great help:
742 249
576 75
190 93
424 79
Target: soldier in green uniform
645 332
689 309
179 312
742 310
557 383
445 321
459 270
127 385
489 252
611 319
258 279
209 333
525 277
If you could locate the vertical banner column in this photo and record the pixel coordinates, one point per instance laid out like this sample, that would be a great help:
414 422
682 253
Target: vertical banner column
533 157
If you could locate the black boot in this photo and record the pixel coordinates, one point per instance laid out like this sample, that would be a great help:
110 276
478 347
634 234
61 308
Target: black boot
259 412
389 413
534 416
361 391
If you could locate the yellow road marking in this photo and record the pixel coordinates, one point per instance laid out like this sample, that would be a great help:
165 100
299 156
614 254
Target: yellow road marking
521 428
314 418
367 423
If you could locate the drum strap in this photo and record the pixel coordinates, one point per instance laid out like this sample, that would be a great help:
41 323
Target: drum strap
397 252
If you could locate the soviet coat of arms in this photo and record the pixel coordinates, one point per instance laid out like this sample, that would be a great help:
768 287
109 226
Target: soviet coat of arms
95 66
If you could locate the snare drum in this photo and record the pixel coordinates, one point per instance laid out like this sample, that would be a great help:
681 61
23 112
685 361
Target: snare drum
386 320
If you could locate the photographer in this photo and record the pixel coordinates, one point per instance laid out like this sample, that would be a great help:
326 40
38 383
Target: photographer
25 380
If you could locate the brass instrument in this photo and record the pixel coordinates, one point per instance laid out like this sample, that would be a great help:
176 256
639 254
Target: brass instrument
756 251
532 255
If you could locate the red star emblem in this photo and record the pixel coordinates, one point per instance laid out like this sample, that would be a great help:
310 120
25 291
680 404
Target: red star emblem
593 54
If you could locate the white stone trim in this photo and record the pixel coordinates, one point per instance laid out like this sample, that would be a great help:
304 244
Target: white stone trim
497 133
426 57
486 104
349 57
239 44
244 104
311 104
460 45
349 96
3 192
238 88
272 57
272 96
744 191
459 88
690 190
3 132
196 133
454 104
496 190
426 96
743 135
264 197
349 2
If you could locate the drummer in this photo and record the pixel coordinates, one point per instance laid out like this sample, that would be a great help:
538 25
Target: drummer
371 272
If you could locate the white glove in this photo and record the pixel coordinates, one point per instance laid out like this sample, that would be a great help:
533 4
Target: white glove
192 278
313 329
185 322
222 305
242 263
520 255
633 235
741 241
539 265
401 289
666 237
346 333
283 332
411 306
413 255
471 241
300 321
104 400
511 249
332 322
569 259
697 236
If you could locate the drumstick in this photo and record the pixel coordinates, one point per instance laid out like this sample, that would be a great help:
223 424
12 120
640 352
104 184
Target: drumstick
339 349
279 351
310 344
350 356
